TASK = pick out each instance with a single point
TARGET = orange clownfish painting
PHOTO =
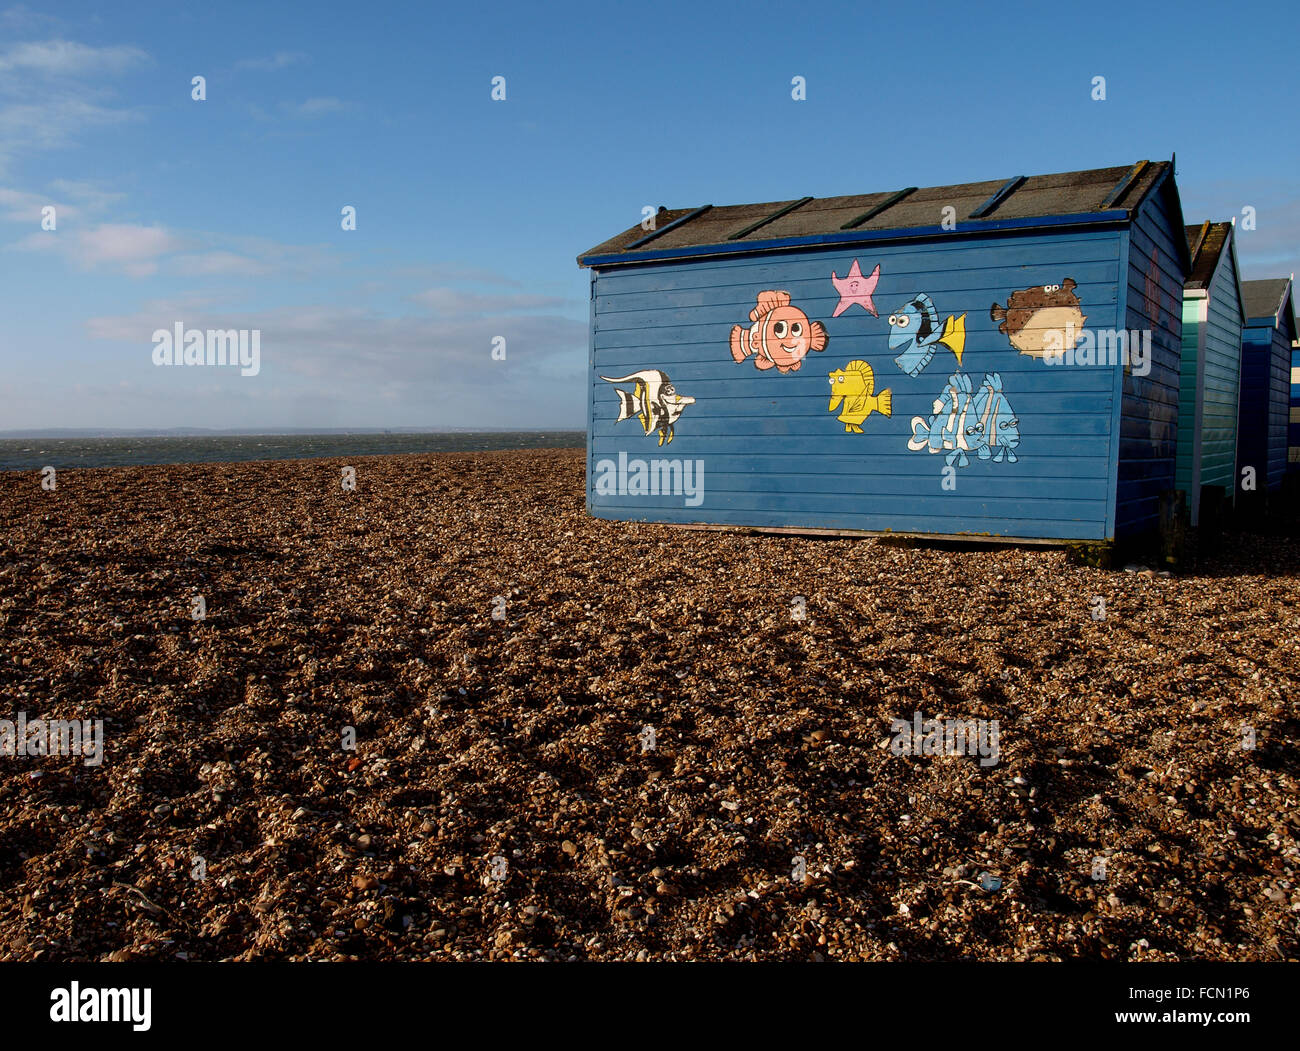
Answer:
(781, 335)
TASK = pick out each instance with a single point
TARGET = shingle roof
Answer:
(1206, 243)
(1096, 194)
(1264, 298)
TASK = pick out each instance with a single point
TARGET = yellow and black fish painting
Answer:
(653, 400)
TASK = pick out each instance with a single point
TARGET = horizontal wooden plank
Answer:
(901, 260)
(811, 289)
(869, 534)
(888, 473)
(700, 309)
(944, 524)
(722, 417)
(812, 398)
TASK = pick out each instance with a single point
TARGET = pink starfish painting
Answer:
(854, 288)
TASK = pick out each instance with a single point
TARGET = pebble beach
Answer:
(446, 715)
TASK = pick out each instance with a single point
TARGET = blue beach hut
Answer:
(982, 359)
(1267, 343)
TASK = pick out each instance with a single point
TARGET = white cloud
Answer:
(322, 364)
(270, 64)
(20, 206)
(141, 251)
(54, 121)
(1272, 249)
(456, 272)
(49, 94)
(316, 107)
(449, 302)
(86, 194)
(331, 348)
(337, 365)
(124, 243)
(21, 18)
(262, 255)
(62, 58)
(220, 264)
(135, 250)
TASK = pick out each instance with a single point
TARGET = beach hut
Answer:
(1293, 433)
(983, 359)
(1211, 366)
(1267, 345)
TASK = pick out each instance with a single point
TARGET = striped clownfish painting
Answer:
(780, 335)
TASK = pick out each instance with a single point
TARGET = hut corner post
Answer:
(1174, 523)
(1214, 511)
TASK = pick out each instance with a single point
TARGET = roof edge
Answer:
(1114, 217)
(1288, 291)
(1236, 271)
(1288, 305)
(1195, 289)
(1166, 183)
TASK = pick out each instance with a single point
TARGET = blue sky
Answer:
(225, 213)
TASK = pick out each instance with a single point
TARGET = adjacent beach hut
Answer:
(1266, 349)
(1293, 432)
(1213, 317)
(994, 358)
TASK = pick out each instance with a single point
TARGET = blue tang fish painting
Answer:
(996, 432)
(916, 334)
(945, 431)
(969, 421)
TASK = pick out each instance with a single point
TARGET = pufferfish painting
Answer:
(780, 335)
(854, 386)
(1041, 319)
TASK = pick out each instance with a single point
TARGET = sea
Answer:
(31, 454)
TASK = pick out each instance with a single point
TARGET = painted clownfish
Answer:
(781, 335)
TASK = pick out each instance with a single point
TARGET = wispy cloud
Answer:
(221, 263)
(1272, 249)
(17, 206)
(234, 256)
(63, 58)
(134, 250)
(453, 303)
(445, 272)
(332, 347)
(280, 60)
(46, 101)
(142, 251)
(424, 369)
(21, 18)
(54, 122)
(71, 200)
(316, 107)
(87, 195)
